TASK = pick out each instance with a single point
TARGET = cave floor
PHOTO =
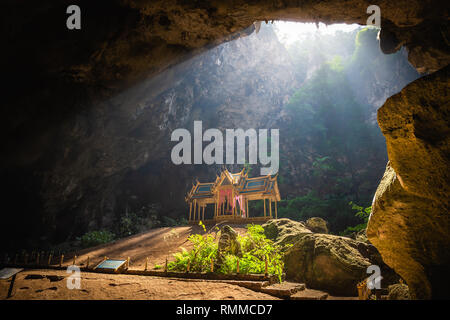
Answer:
(52, 285)
(156, 245)
(47, 284)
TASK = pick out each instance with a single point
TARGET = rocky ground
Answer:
(157, 245)
(34, 284)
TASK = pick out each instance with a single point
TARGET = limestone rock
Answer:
(327, 262)
(361, 236)
(284, 231)
(398, 291)
(410, 219)
(228, 244)
(317, 225)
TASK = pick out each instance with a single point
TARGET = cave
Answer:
(87, 111)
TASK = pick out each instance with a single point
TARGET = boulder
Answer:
(410, 219)
(284, 231)
(398, 291)
(317, 225)
(330, 263)
(228, 244)
(361, 236)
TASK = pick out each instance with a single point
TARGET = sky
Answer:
(288, 32)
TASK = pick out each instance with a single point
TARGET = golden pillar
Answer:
(270, 207)
(276, 213)
(190, 210)
(246, 204)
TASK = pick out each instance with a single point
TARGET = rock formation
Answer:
(327, 262)
(398, 291)
(284, 231)
(228, 244)
(330, 263)
(410, 221)
(317, 225)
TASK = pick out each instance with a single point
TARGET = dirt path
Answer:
(156, 244)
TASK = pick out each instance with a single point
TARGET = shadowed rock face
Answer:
(410, 221)
(55, 75)
(116, 156)
(321, 261)
(123, 41)
(327, 262)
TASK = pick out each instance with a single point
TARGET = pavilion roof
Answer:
(264, 185)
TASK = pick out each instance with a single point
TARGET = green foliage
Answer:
(336, 64)
(199, 258)
(361, 213)
(157, 267)
(339, 153)
(334, 209)
(369, 66)
(256, 248)
(95, 238)
(200, 223)
(140, 220)
(147, 217)
(312, 50)
(333, 150)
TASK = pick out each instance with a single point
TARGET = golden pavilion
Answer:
(230, 194)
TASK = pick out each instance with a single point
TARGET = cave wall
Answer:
(56, 76)
(410, 221)
(115, 158)
(66, 72)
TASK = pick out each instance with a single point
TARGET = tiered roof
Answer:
(264, 186)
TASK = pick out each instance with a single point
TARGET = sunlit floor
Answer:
(34, 284)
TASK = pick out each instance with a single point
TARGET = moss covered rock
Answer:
(317, 224)
(228, 244)
(327, 262)
(284, 231)
(398, 291)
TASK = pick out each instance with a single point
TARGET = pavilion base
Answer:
(234, 220)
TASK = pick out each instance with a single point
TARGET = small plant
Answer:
(95, 238)
(200, 223)
(157, 267)
(256, 249)
(361, 212)
(199, 258)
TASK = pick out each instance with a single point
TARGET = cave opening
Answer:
(89, 114)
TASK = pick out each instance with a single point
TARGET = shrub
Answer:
(136, 221)
(95, 238)
(256, 248)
